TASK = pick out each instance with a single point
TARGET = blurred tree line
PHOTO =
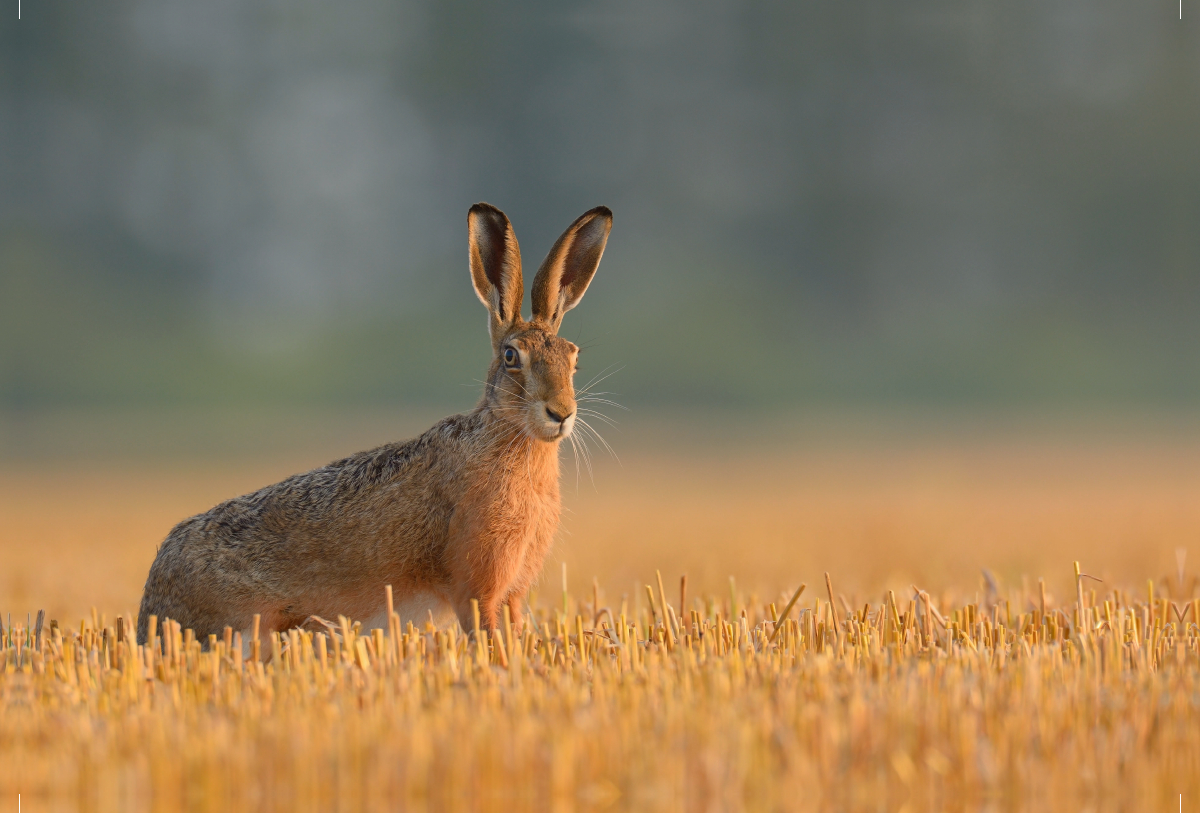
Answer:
(265, 201)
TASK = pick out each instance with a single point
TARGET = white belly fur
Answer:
(417, 608)
(414, 607)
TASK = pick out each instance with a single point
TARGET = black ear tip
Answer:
(592, 218)
(486, 210)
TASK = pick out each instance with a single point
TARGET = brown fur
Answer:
(467, 510)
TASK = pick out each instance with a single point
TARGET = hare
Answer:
(468, 510)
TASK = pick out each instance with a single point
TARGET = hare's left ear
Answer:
(495, 267)
(570, 266)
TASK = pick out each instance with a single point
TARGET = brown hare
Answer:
(467, 510)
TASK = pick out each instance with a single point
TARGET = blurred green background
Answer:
(260, 205)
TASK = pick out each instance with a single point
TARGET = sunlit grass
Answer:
(668, 702)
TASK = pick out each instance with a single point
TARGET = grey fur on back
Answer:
(284, 541)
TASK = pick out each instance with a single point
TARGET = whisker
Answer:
(591, 399)
(600, 376)
(587, 458)
(599, 416)
(587, 426)
(575, 454)
(519, 396)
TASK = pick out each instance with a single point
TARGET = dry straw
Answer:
(1011, 703)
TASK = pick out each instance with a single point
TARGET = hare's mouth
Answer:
(554, 430)
(551, 432)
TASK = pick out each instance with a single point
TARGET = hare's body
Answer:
(429, 516)
(468, 510)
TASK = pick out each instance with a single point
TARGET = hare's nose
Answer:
(554, 416)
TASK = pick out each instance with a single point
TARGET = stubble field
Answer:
(925, 684)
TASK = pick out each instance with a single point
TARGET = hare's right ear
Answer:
(495, 266)
(569, 267)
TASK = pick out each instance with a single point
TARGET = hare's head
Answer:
(529, 382)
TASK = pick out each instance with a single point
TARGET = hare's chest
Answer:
(509, 514)
(521, 516)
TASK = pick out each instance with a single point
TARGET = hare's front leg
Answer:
(482, 569)
(516, 605)
(484, 590)
(531, 562)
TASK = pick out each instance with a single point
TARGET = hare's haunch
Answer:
(467, 510)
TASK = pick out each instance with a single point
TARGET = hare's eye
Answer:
(512, 358)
